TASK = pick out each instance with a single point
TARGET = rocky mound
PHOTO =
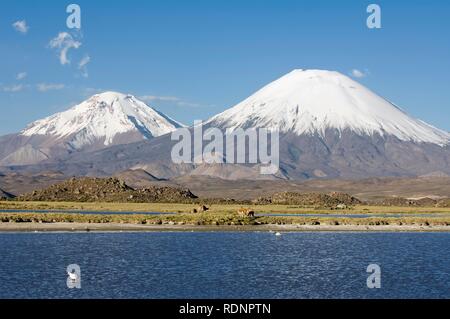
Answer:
(405, 202)
(107, 190)
(309, 199)
(443, 203)
(5, 195)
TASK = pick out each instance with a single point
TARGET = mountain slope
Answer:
(313, 101)
(103, 120)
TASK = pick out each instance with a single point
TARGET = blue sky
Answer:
(193, 59)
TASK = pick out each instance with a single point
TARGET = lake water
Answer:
(225, 265)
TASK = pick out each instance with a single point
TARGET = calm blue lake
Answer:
(224, 265)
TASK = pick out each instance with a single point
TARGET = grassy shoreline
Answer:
(39, 220)
(214, 208)
(219, 217)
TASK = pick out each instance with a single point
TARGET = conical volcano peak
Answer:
(302, 75)
(103, 116)
(302, 83)
(314, 101)
(110, 98)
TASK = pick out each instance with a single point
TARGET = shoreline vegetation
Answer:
(221, 217)
(109, 204)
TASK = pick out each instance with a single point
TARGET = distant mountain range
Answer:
(330, 127)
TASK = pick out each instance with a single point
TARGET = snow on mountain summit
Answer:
(312, 101)
(103, 116)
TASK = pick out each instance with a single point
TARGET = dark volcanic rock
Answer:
(5, 195)
(107, 190)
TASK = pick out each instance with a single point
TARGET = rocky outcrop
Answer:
(310, 199)
(107, 190)
(407, 202)
(443, 203)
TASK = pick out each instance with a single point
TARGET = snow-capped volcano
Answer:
(103, 117)
(103, 120)
(330, 125)
(313, 101)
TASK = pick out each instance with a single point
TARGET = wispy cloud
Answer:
(82, 66)
(45, 87)
(176, 100)
(63, 42)
(14, 88)
(359, 74)
(22, 75)
(21, 26)
(152, 98)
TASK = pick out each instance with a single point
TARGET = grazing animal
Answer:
(199, 209)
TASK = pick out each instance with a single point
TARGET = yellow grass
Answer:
(218, 208)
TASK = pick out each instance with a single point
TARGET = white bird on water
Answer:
(73, 276)
(277, 234)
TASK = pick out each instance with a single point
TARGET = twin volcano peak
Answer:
(314, 101)
(303, 104)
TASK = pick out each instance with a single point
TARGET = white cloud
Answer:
(21, 76)
(359, 74)
(151, 98)
(44, 87)
(82, 66)
(84, 61)
(176, 100)
(13, 88)
(21, 26)
(63, 43)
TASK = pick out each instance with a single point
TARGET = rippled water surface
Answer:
(224, 265)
